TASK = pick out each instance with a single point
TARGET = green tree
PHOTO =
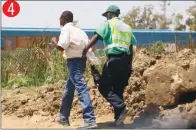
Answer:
(144, 18)
(132, 17)
(191, 21)
(164, 20)
(178, 23)
(141, 18)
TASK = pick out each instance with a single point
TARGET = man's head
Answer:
(66, 17)
(112, 11)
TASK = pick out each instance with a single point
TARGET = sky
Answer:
(45, 14)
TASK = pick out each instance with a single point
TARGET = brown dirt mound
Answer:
(46, 101)
(142, 99)
(171, 77)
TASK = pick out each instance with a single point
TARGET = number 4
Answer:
(11, 8)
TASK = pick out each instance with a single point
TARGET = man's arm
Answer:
(92, 42)
(54, 43)
(133, 43)
(100, 33)
(131, 48)
(131, 56)
(64, 41)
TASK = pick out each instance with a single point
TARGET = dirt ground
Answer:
(45, 122)
(38, 107)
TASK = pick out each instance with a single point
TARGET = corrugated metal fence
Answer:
(18, 37)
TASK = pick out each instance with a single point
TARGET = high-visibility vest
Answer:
(121, 34)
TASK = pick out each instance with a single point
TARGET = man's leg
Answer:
(122, 78)
(118, 90)
(66, 103)
(78, 80)
(106, 88)
(111, 82)
(120, 84)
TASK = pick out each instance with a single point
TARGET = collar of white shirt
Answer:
(70, 23)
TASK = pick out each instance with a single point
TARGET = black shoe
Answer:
(122, 116)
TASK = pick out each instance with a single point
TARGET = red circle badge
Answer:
(11, 8)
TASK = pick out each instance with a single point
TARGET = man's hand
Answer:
(91, 43)
(54, 40)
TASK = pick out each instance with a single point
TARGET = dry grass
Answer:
(38, 63)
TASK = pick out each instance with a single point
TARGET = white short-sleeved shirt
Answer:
(73, 40)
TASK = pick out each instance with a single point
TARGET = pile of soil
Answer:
(46, 100)
(154, 94)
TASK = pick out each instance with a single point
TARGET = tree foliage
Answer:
(191, 21)
(178, 23)
(145, 18)
(165, 21)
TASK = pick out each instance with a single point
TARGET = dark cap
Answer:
(113, 9)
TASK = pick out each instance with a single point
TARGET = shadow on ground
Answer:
(109, 125)
(144, 121)
(150, 121)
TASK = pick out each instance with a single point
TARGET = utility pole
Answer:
(164, 9)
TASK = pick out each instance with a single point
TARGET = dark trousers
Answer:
(114, 79)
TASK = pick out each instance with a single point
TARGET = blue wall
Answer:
(144, 37)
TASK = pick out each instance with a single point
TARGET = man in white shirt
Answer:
(71, 44)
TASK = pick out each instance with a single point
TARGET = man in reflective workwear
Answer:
(118, 41)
